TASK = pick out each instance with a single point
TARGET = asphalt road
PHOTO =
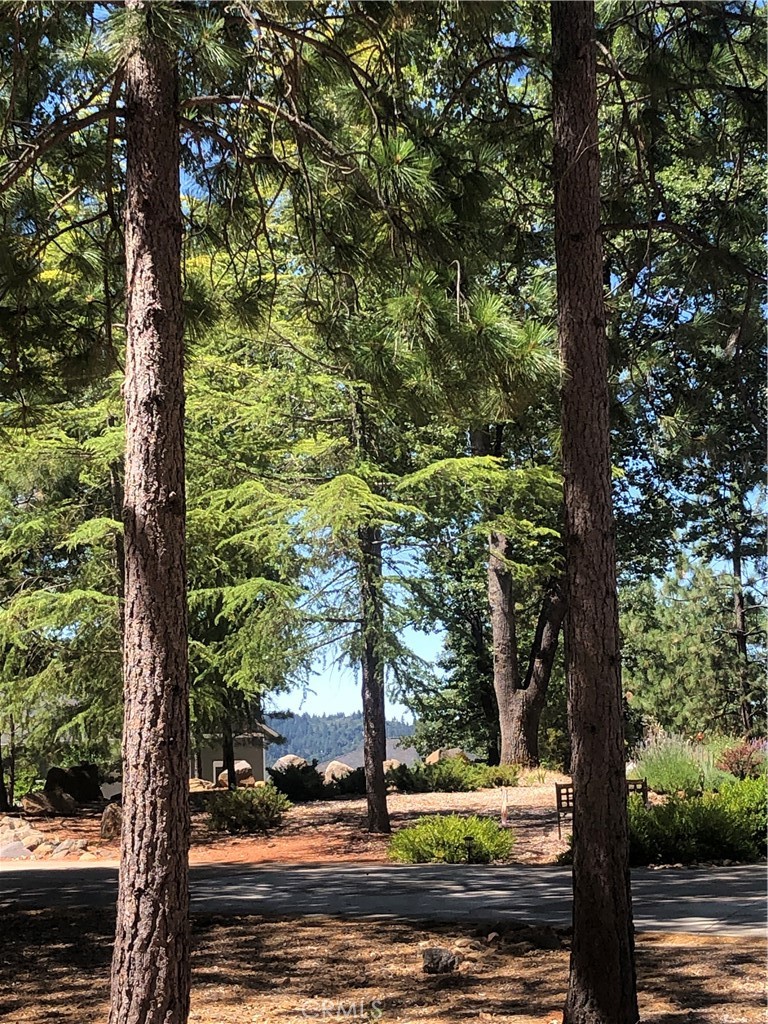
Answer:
(728, 901)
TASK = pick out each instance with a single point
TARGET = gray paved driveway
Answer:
(725, 900)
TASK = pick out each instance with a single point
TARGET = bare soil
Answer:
(55, 967)
(334, 831)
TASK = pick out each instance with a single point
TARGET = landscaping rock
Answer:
(336, 770)
(243, 771)
(81, 782)
(445, 754)
(45, 850)
(438, 960)
(51, 804)
(14, 851)
(391, 764)
(200, 785)
(289, 761)
(111, 821)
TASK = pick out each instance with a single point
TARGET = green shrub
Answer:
(687, 830)
(748, 800)
(348, 785)
(673, 765)
(454, 775)
(300, 783)
(247, 810)
(451, 839)
(745, 760)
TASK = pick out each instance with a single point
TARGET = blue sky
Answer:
(337, 688)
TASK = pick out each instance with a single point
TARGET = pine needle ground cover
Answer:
(54, 966)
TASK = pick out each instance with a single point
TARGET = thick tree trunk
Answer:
(506, 680)
(12, 761)
(4, 801)
(487, 696)
(528, 702)
(602, 985)
(740, 623)
(374, 710)
(150, 967)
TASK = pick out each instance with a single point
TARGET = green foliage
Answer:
(451, 839)
(247, 810)
(349, 785)
(745, 760)
(748, 800)
(300, 783)
(710, 827)
(672, 765)
(453, 775)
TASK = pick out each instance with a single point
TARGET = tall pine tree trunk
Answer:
(374, 710)
(740, 624)
(503, 630)
(228, 750)
(602, 985)
(150, 967)
(4, 801)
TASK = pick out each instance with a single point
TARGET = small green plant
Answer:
(247, 810)
(300, 783)
(451, 839)
(745, 760)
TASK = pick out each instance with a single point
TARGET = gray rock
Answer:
(111, 821)
(438, 960)
(14, 851)
(243, 773)
(289, 761)
(336, 770)
(54, 803)
(445, 754)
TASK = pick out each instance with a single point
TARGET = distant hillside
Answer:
(355, 758)
(323, 737)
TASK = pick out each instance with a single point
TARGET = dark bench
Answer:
(564, 797)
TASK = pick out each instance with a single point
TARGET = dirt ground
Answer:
(55, 967)
(334, 831)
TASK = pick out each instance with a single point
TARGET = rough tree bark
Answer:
(4, 801)
(602, 984)
(150, 967)
(228, 750)
(374, 710)
(740, 624)
(519, 704)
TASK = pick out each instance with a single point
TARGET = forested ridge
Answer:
(322, 737)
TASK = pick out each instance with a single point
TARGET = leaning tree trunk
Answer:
(529, 701)
(374, 710)
(150, 966)
(602, 985)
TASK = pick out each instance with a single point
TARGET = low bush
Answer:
(745, 760)
(686, 830)
(454, 775)
(300, 783)
(247, 810)
(748, 800)
(352, 784)
(451, 839)
(674, 765)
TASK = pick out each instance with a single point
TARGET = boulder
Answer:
(445, 754)
(50, 804)
(289, 761)
(243, 771)
(111, 821)
(14, 851)
(81, 782)
(392, 764)
(438, 960)
(336, 770)
(200, 785)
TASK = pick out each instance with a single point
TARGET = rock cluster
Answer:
(21, 841)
